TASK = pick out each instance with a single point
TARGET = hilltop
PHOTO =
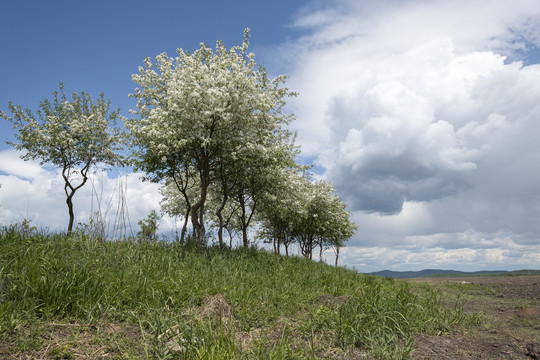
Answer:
(80, 298)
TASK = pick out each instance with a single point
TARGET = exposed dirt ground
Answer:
(510, 309)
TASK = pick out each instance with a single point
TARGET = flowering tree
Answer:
(256, 178)
(70, 133)
(204, 111)
(281, 208)
(332, 220)
(323, 220)
(306, 213)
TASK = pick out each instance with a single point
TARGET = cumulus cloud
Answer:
(11, 163)
(426, 121)
(404, 141)
(355, 42)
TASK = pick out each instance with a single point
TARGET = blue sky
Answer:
(97, 45)
(423, 114)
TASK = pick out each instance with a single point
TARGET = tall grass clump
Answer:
(383, 316)
(211, 303)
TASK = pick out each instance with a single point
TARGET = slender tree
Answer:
(149, 227)
(281, 209)
(177, 193)
(73, 134)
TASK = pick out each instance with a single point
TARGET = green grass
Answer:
(272, 307)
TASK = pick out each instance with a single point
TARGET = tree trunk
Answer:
(220, 218)
(246, 220)
(184, 226)
(182, 186)
(245, 240)
(337, 254)
(220, 230)
(197, 231)
(69, 203)
(278, 237)
(197, 210)
(230, 238)
(202, 241)
(66, 170)
(306, 246)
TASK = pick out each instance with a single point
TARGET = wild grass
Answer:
(266, 306)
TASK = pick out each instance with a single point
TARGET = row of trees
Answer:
(210, 127)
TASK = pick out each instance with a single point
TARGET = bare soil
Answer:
(510, 313)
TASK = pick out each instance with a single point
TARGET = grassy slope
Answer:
(164, 298)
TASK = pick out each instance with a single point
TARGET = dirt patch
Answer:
(333, 301)
(216, 306)
(76, 341)
(510, 311)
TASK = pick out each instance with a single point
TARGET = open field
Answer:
(510, 326)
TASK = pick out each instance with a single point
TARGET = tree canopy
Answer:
(307, 213)
(202, 116)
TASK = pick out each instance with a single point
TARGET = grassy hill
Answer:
(67, 298)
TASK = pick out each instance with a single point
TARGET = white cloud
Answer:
(11, 163)
(399, 138)
(427, 124)
(369, 259)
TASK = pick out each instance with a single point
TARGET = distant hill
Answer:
(449, 273)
